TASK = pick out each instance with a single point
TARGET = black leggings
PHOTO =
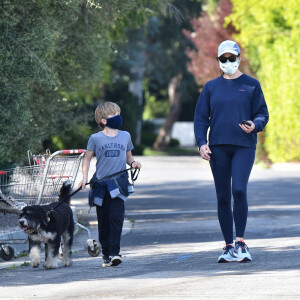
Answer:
(110, 223)
(229, 162)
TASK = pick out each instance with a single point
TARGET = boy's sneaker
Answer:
(115, 260)
(228, 255)
(242, 252)
(106, 261)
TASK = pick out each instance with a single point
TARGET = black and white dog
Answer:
(47, 224)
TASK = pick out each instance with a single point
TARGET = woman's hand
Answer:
(247, 128)
(204, 152)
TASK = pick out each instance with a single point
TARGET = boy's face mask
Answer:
(114, 122)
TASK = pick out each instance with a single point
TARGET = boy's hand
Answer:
(82, 183)
(136, 165)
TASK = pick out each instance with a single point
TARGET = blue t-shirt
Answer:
(223, 104)
(110, 152)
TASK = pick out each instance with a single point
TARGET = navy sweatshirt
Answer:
(223, 104)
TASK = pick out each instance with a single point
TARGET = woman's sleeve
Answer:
(259, 114)
(201, 118)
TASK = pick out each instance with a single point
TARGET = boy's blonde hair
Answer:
(105, 109)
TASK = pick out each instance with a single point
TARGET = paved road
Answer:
(173, 239)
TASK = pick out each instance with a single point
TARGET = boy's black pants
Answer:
(110, 223)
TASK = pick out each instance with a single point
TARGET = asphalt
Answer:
(171, 241)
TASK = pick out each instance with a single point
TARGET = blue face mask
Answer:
(114, 122)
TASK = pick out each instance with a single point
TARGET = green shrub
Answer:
(174, 143)
(270, 35)
(155, 108)
(138, 149)
(148, 138)
(148, 126)
(118, 92)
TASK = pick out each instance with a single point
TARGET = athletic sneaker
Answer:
(228, 255)
(242, 252)
(106, 261)
(115, 260)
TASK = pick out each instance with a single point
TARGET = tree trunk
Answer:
(175, 99)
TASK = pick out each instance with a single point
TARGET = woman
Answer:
(234, 108)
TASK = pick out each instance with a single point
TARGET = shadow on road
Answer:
(176, 233)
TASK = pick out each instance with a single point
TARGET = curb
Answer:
(16, 235)
(286, 166)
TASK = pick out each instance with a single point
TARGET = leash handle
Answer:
(134, 174)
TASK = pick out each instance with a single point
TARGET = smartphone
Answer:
(244, 122)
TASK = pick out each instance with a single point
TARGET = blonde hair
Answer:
(105, 109)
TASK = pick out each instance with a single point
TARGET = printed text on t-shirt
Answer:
(112, 146)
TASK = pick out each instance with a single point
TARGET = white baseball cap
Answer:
(228, 47)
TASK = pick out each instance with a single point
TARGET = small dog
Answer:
(44, 225)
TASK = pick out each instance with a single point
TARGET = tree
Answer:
(168, 63)
(270, 32)
(208, 32)
(52, 51)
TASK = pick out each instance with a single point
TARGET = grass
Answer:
(131, 221)
(172, 151)
(12, 267)
(262, 164)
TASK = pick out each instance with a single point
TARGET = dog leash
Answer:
(133, 174)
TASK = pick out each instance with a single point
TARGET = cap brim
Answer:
(227, 51)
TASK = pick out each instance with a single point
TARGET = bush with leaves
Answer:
(270, 32)
(51, 51)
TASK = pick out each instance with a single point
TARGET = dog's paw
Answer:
(66, 264)
(35, 256)
(50, 266)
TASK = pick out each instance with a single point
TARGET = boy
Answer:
(113, 150)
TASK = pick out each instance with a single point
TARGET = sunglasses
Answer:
(231, 58)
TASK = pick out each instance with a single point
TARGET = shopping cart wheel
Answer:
(7, 252)
(93, 248)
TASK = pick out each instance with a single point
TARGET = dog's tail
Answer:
(65, 192)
